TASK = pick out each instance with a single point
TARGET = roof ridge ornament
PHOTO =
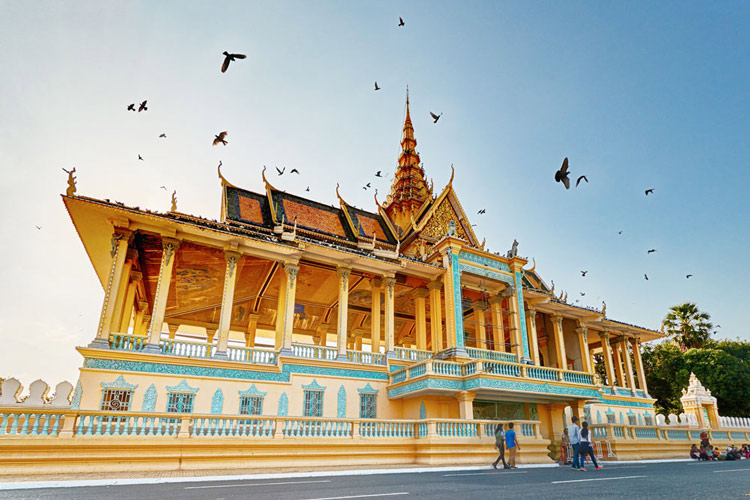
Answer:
(341, 200)
(71, 191)
(265, 181)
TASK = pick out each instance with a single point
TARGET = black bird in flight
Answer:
(645, 276)
(163, 136)
(229, 58)
(308, 188)
(583, 274)
(435, 117)
(163, 187)
(219, 139)
(649, 191)
(367, 185)
(583, 294)
(400, 21)
(281, 172)
(140, 157)
(142, 107)
(294, 171)
(562, 174)
(579, 180)
(619, 232)
(652, 250)
(377, 174)
(688, 276)
(482, 211)
(376, 86)
(131, 107)
(38, 227)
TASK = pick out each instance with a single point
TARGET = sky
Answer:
(637, 95)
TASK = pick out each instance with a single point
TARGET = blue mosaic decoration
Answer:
(640, 419)
(217, 402)
(480, 271)
(202, 371)
(368, 389)
(598, 417)
(182, 387)
(313, 386)
(632, 404)
(622, 419)
(609, 411)
(252, 391)
(341, 403)
(485, 261)
(118, 383)
(149, 399)
(479, 383)
(456, 275)
(283, 405)
(77, 393)
(522, 315)
(422, 411)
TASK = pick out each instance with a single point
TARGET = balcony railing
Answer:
(252, 355)
(412, 354)
(366, 358)
(314, 351)
(491, 355)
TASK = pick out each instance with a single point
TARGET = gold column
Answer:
(140, 322)
(481, 333)
(450, 307)
(496, 304)
(122, 290)
(618, 362)
(531, 328)
(375, 285)
(420, 294)
(628, 364)
(135, 278)
(280, 311)
(172, 327)
(290, 292)
(636, 345)
(358, 340)
(515, 321)
(583, 345)
(389, 283)
(607, 353)
(252, 328)
(227, 302)
(169, 255)
(323, 331)
(342, 329)
(562, 357)
(120, 241)
(436, 315)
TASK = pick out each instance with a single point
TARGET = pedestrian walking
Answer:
(585, 447)
(500, 445)
(574, 434)
(511, 441)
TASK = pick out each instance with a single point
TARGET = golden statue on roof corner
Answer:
(71, 191)
(604, 309)
(174, 201)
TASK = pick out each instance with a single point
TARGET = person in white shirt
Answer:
(574, 433)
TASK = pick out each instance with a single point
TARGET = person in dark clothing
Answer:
(500, 445)
(585, 446)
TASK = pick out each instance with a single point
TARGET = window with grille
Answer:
(367, 405)
(116, 399)
(632, 420)
(648, 420)
(610, 418)
(180, 402)
(313, 403)
(251, 405)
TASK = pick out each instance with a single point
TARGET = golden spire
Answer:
(409, 190)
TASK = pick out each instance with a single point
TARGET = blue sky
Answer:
(637, 94)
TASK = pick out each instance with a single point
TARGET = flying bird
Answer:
(140, 157)
(435, 117)
(163, 136)
(645, 276)
(649, 191)
(579, 180)
(583, 274)
(229, 58)
(131, 107)
(367, 185)
(281, 172)
(38, 227)
(400, 21)
(562, 174)
(689, 276)
(377, 174)
(294, 171)
(219, 139)
(482, 211)
(308, 188)
(376, 86)
(583, 294)
(619, 232)
(163, 187)
(142, 107)
(652, 250)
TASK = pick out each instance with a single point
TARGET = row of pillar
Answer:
(615, 352)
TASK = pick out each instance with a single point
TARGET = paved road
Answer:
(683, 480)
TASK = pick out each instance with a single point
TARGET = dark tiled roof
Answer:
(312, 216)
(247, 207)
(367, 223)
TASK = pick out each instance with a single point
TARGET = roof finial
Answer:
(265, 181)
(341, 200)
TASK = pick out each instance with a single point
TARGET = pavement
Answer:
(617, 480)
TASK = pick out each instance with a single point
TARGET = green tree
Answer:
(666, 376)
(687, 326)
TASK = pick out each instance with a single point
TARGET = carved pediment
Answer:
(438, 224)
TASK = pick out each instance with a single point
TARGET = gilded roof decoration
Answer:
(439, 223)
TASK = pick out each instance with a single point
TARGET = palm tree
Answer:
(687, 326)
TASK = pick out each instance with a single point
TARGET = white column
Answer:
(169, 253)
(628, 364)
(343, 318)
(583, 344)
(290, 292)
(389, 283)
(481, 331)
(376, 285)
(531, 327)
(420, 294)
(607, 353)
(562, 356)
(496, 304)
(120, 241)
(227, 302)
(636, 345)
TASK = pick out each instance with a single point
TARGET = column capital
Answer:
(557, 319)
(420, 293)
(135, 276)
(376, 283)
(435, 285)
(634, 341)
(291, 269)
(508, 291)
(142, 305)
(343, 272)
(604, 335)
(465, 396)
(389, 282)
(531, 312)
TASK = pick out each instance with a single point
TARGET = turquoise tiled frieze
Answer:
(283, 405)
(633, 404)
(341, 403)
(202, 371)
(485, 261)
(118, 383)
(77, 393)
(479, 271)
(485, 383)
(457, 301)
